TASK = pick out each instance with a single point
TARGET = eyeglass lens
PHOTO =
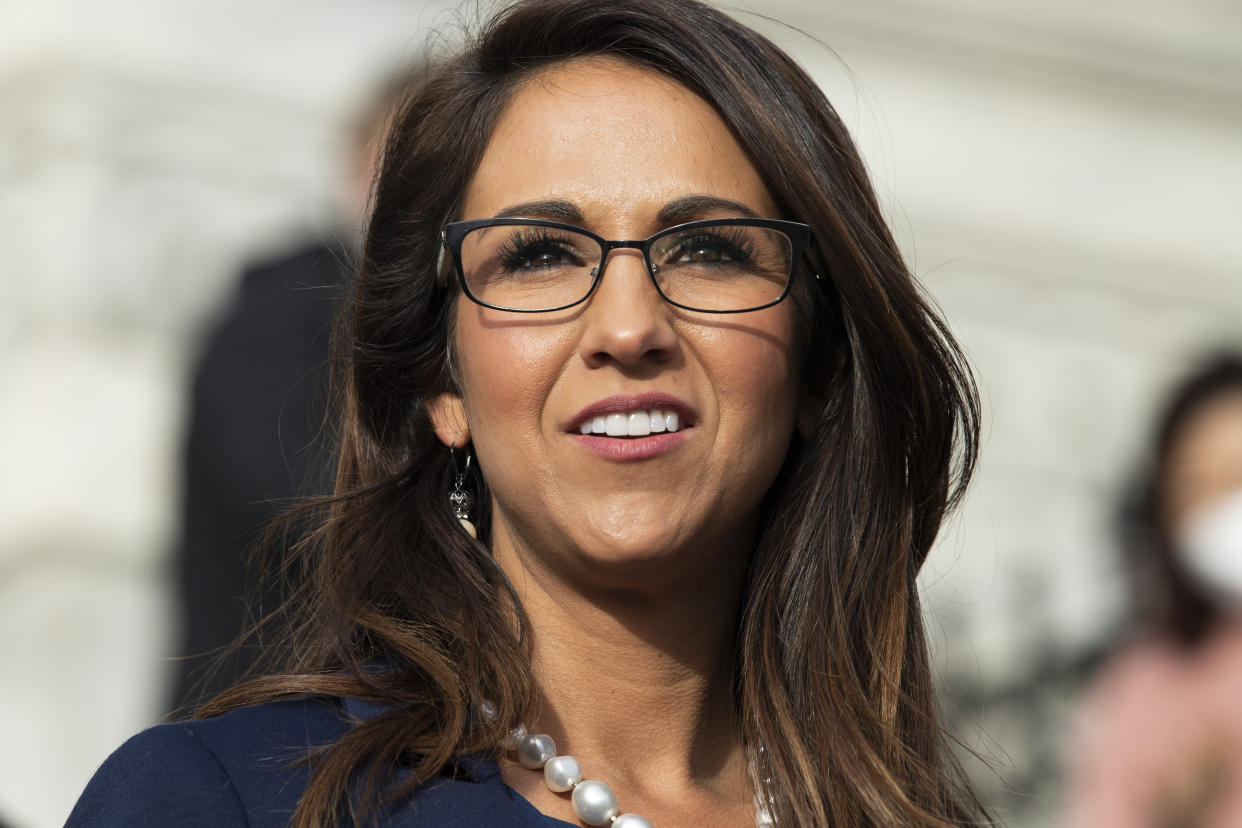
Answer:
(716, 268)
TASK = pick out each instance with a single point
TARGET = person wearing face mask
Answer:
(1159, 738)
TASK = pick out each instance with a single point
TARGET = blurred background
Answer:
(1064, 176)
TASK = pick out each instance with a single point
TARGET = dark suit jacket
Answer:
(247, 768)
(254, 439)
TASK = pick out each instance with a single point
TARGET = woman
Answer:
(1160, 735)
(703, 468)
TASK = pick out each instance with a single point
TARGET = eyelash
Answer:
(518, 248)
(736, 244)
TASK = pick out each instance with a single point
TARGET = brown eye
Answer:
(538, 251)
(704, 254)
(706, 248)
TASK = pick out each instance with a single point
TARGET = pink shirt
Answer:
(1158, 740)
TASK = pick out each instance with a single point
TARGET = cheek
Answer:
(758, 392)
(507, 372)
(756, 369)
(757, 387)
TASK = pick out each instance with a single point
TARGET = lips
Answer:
(633, 415)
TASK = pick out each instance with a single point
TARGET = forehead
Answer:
(1205, 458)
(617, 140)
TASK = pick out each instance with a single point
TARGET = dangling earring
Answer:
(460, 500)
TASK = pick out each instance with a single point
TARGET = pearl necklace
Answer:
(592, 799)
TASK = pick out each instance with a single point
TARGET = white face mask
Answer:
(1209, 548)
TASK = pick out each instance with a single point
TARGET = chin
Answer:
(647, 560)
(635, 533)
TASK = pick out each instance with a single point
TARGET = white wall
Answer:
(1064, 175)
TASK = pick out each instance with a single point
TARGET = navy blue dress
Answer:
(243, 769)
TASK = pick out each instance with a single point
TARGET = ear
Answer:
(448, 418)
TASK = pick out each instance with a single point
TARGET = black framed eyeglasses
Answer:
(527, 265)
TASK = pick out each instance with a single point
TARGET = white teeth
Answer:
(657, 421)
(633, 424)
(618, 425)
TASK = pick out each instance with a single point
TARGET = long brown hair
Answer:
(831, 671)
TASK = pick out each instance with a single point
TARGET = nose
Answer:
(626, 322)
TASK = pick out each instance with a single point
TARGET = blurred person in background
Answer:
(256, 423)
(1159, 737)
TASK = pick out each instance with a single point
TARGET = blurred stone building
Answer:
(1064, 176)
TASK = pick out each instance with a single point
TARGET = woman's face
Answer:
(609, 147)
(1203, 499)
(1204, 463)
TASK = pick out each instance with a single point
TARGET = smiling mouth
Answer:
(630, 424)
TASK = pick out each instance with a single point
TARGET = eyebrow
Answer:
(677, 211)
(691, 207)
(554, 209)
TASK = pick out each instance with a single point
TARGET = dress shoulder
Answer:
(247, 767)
